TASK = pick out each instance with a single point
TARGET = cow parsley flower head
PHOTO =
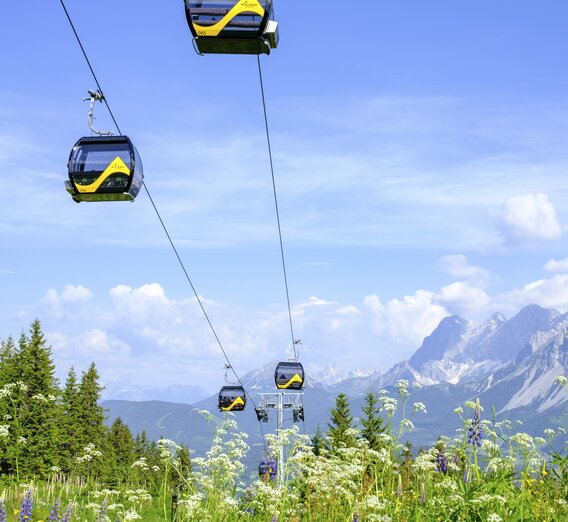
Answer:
(419, 407)
(402, 387)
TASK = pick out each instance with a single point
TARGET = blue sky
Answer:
(420, 155)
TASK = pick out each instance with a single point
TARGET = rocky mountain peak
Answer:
(449, 336)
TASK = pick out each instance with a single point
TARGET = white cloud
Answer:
(76, 294)
(557, 266)
(458, 267)
(463, 299)
(528, 219)
(97, 342)
(408, 320)
(68, 303)
(142, 335)
(548, 293)
(349, 309)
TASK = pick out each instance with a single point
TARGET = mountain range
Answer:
(510, 365)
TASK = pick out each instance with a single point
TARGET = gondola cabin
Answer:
(232, 398)
(267, 469)
(104, 168)
(232, 26)
(289, 376)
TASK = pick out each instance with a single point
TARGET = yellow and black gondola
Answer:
(232, 26)
(289, 376)
(232, 398)
(104, 168)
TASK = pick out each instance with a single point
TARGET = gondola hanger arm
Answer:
(95, 96)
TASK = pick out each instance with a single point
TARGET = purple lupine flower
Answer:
(102, 511)
(67, 515)
(475, 433)
(54, 513)
(355, 518)
(27, 506)
(2, 512)
(441, 463)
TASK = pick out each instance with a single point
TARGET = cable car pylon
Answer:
(280, 402)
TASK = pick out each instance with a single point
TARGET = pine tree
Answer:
(340, 429)
(39, 424)
(373, 425)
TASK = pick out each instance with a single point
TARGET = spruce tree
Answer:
(70, 422)
(39, 423)
(318, 442)
(8, 362)
(91, 429)
(340, 429)
(373, 425)
(141, 445)
(118, 454)
(180, 474)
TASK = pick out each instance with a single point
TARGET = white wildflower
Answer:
(524, 440)
(132, 515)
(140, 463)
(402, 387)
(419, 407)
(373, 502)
(389, 406)
(406, 425)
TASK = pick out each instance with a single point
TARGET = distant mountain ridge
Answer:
(179, 393)
(531, 344)
(510, 365)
